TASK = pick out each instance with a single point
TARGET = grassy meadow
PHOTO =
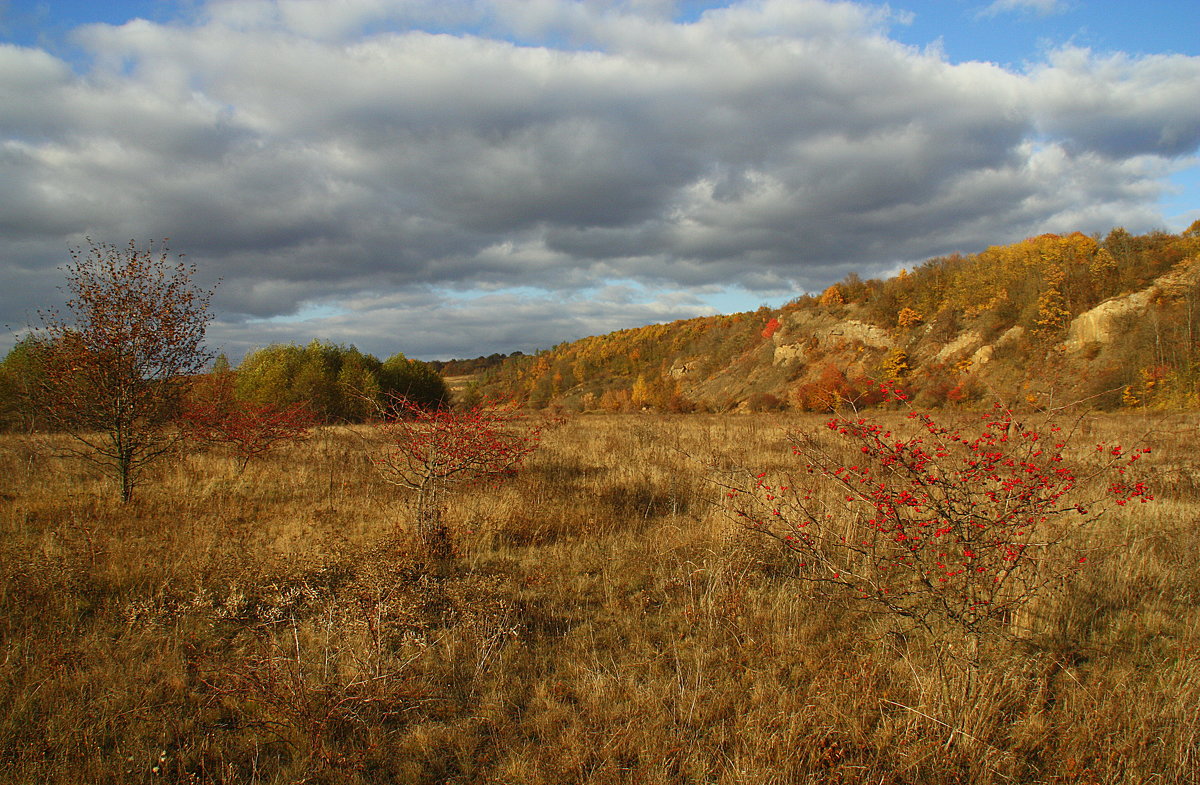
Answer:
(601, 622)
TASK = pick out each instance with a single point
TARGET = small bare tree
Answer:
(430, 450)
(116, 360)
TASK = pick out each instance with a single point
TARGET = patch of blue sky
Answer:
(688, 11)
(741, 300)
(48, 22)
(963, 29)
(1020, 34)
(1180, 204)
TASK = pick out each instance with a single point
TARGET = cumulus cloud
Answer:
(310, 152)
(1102, 104)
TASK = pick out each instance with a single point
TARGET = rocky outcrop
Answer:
(1102, 324)
(964, 343)
(983, 355)
(822, 332)
(681, 370)
(860, 332)
(789, 353)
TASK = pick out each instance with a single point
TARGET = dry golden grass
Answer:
(602, 623)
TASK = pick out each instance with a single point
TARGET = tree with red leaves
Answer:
(429, 450)
(213, 414)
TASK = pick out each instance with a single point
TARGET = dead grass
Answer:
(600, 624)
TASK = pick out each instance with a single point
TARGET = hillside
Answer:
(1110, 320)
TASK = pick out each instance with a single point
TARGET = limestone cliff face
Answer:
(1101, 325)
(808, 333)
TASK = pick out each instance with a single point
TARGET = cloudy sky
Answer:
(461, 177)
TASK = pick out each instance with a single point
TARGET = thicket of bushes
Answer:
(339, 383)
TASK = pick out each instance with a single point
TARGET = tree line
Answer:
(333, 382)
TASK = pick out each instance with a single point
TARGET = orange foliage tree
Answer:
(832, 296)
(115, 362)
(833, 389)
(908, 317)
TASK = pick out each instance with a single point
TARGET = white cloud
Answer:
(1040, 7)
(1119, 105)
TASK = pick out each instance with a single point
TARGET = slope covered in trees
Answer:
(1108, 319)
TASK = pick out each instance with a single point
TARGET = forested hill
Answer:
(1115, 321)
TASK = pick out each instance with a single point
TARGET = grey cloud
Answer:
(766, 145)
(433, 325)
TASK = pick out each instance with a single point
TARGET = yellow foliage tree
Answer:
(895, 365)
(832, 296)
(641, 393)
(1052, 314)
(908, 317)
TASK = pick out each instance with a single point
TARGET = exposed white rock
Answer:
(867, 334)
(786, 353)
(960, 345)
(824, 333)
(983, 355)
(1101, 324)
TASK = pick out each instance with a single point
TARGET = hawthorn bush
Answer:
(248, 430)
(954, 529)
(430, 450)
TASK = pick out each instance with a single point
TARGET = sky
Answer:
(453, 178)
